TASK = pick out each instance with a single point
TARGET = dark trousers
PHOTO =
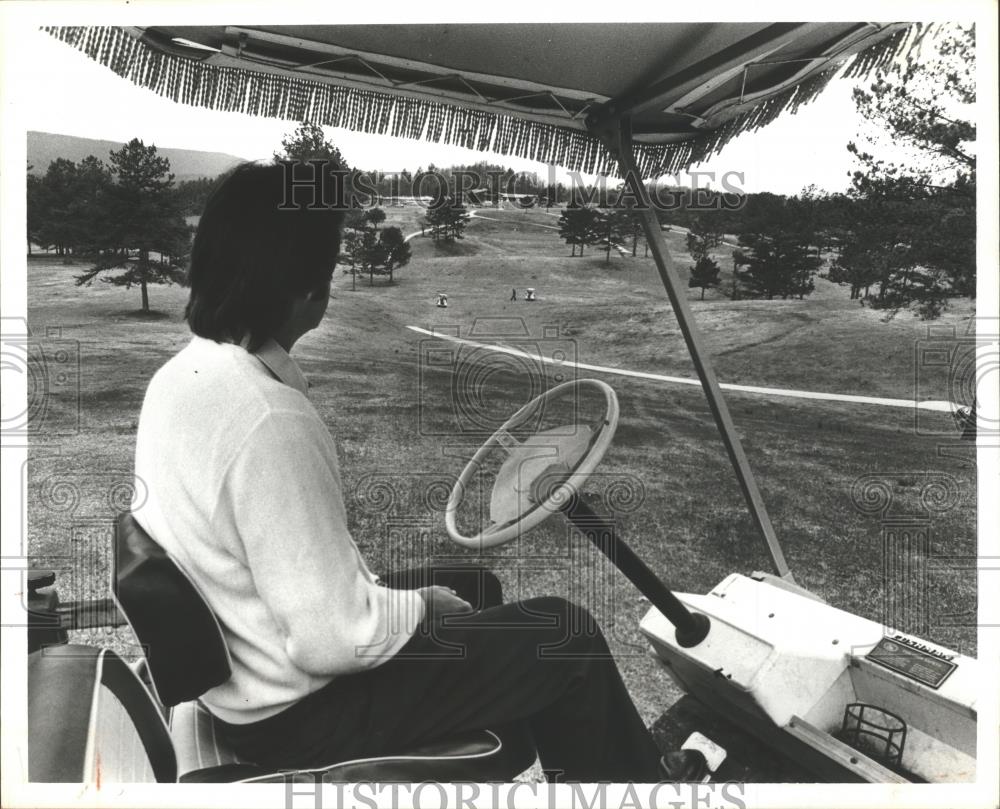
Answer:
(543, 660)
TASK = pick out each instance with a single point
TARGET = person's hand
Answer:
(442, 601)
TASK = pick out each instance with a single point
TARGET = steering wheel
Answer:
(565, 458)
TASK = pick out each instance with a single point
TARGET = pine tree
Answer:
(309, 142)
(143, 234)
(578, 225)
(369, 250)
(924, 204)
(777, 264)
(704, 274)
(446, 219)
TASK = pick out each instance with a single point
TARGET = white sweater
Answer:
(237, 478)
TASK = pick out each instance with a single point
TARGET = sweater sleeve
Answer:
(284, 491)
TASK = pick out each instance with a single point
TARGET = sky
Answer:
(59, 96)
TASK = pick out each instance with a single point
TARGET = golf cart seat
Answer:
(92, 719)
(96, 718)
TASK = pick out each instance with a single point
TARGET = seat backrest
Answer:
(183, 642)
(91, 720)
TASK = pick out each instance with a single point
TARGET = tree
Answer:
(925, 102)
(369, 252)
(913, 247)
(48, 211)
(925, 201)
(191, 195)
(740, 260)
(578, 225)
(405, 181)
(605, 231)
(876, 252)
(376, 252)
(376, 216)
(142, 219)
(896, 254)
(34, 207)
(775, 247)
(88, 207)
(702, 236)
(67, 206)
(630, 226)
(446, 219)
(776, 264)
(309, 142)
(350, 249)
(824, 218)
(611, 227)
(859, 267)
(704, 274)
(396, 248)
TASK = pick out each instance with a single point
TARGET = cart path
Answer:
(476, 215)
(935, 405)
(473, 214)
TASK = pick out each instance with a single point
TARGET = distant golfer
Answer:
(513, 294)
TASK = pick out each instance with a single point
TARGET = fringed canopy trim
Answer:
(293, 98)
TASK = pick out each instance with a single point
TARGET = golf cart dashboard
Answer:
(803, 674)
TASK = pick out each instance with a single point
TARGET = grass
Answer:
(399, 428)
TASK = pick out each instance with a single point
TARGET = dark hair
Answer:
(250, 257)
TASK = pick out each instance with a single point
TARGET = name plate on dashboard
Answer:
(913, 660)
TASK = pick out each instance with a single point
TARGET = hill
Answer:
(186, 164)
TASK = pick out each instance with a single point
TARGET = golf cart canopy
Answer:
(537, 91)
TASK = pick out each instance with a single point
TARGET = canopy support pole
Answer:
(617, 136)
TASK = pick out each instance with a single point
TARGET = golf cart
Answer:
(833, 691)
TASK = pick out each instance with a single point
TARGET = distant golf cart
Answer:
(839, 695)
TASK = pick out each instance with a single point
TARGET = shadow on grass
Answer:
(138, 314)
(457, 248)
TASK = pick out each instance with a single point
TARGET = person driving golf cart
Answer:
(244, 492)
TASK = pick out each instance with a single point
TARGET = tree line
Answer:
(889, 247)
(769, 262)
(127, 217)
(123, 216)
(607, 228)
(904, 234)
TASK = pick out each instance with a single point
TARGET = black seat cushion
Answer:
(184, 645)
